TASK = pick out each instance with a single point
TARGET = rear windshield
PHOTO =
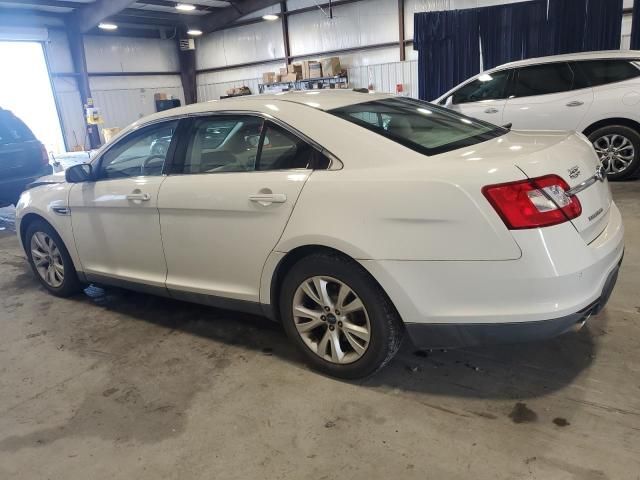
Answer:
(420, 126)
(12, 130)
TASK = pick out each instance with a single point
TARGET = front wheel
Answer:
(339, 317)
(50, 260)
(618, 148)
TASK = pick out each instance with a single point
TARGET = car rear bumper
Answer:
(427, 335)
(11, 188)
(558, 282)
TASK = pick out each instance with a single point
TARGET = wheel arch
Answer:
(295, 255)
(27, 220)
(607, 122)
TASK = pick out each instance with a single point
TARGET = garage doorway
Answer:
(25, 89)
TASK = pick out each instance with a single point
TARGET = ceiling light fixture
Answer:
(194, 32)
(185, 7)
(270, 17)
(108, 26)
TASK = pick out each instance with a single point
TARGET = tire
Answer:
(616, 144)
(363, 353)
(53, 254)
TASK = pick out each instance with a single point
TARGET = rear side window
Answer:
(602, 72)
(12, 129)
(487, 87)
(420, 126)
(543, 79)
(282, 150)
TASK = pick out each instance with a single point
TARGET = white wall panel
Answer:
(58, 54)
(298, 4)
(237, 45)
(384, 77)
(353, 25)
(70, 110)
(128, 54)
(125, 99)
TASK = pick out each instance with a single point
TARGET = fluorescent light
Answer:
(194, 32)
(108, 26)
(185, 7)
(270, 17)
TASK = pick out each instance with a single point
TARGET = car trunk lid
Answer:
(575, 161)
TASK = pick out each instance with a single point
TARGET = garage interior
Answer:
(118, 384)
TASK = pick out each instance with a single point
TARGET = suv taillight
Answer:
(45, 155)
(534, 203)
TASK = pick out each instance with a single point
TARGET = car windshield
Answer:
(421, 126)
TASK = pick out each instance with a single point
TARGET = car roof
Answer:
(319, 99)
(605, 54)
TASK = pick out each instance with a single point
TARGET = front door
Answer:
(225, 205)
(115, 218)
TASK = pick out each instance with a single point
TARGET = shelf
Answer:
(304, 84)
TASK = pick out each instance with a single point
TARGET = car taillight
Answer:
(45, 155)
(534, 203)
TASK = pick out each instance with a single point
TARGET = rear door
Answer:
(549, 96)
(226, 203)
(483, 98)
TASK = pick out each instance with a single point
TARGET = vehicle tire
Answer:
(50, 260)
(618, 148)
(339, 317)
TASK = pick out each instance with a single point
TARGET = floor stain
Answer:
(561, 422)
(522, 414)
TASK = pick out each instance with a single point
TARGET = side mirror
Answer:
(79, 173)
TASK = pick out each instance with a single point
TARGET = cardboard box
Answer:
(311, 69)
(315, 70)
(160, 96)
(283, 71)
(290, 77)
(331, 66)
(295, 68)
(269, 77)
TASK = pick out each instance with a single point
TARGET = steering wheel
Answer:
(145, 167)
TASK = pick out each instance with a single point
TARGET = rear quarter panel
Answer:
(617, 100)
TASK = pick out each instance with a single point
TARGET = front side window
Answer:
(543, 79)
(602, 72)
(486, 87)
(12, 129)
(141, 153)
(421, 126)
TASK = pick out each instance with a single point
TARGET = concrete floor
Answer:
(115, 384)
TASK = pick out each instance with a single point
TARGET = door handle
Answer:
(575, 103)
(140, 197)
(268, 198)
(491, 110)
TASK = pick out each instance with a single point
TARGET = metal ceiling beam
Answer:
(45, 3)
(172, 4)
(91, 14)
(141, 20)
(225, 16)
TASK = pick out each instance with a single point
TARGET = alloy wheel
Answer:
(616, 152)
(331, 319)
(47, 259)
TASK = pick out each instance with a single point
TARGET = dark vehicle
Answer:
(23, 158)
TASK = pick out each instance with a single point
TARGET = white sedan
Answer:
(349, 217)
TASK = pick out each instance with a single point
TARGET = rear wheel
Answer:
(618, 148)
(50, 260)
(339, 317)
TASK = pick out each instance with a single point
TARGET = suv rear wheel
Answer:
(618, 148)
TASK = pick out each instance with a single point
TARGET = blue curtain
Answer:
(584, 25)
(635, 27)
(513, 32)
(449, 49)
